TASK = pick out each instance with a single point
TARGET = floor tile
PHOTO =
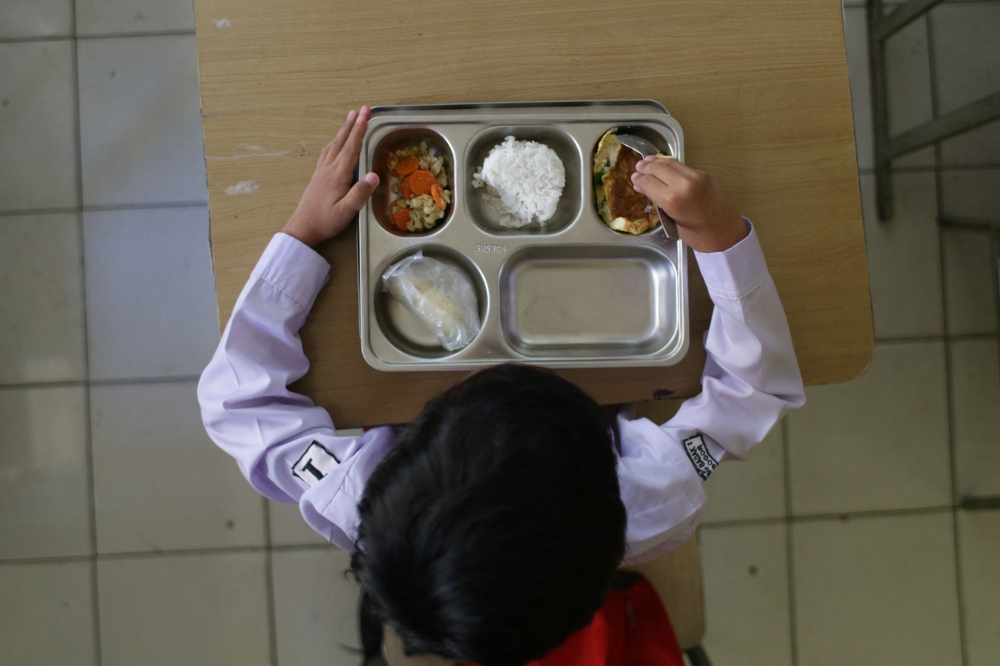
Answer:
(755, 488)
(970, 282)
(876, 590)
(38, 142)
(975, 385)
(36, 18)
(185, 609)
(745, 585)
(971, 194)
(908, 76)
(112, 17)
(966, 57)
(159, 481)
(979, 543)
(980, 146)
(41, 299)
(315, 608)
(140, 117)
(879, 442)
(289, 528)
(908, 87)
(967, 67)
(46, 614)
(904, 258)
(44, 495)
(856, 40)
(151, 309)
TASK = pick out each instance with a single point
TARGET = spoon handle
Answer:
(668, 224)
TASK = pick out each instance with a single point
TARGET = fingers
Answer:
(357, 195)
(332, 149)
(655, 189)
(348, 155)
(682, 169)
(663, 168)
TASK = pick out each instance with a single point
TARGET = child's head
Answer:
(491, 530)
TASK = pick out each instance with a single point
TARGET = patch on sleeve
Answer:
(315, 464)
(698, 453)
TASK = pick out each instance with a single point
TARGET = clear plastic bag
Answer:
(439, 294)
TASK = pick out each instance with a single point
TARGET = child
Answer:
(489, 528)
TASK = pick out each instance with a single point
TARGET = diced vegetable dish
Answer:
(419, 185)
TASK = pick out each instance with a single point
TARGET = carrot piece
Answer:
(404, 187)
(436, 193)
(401, 217)
(421, 181)
(408, 165)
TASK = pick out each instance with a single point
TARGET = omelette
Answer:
(618, 204)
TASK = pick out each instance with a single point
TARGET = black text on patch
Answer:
(702, 460)
(314, 464)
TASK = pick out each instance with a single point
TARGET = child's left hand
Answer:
(329, 202)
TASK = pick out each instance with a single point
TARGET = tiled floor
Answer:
(127, 538)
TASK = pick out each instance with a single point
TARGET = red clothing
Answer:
(631, 629)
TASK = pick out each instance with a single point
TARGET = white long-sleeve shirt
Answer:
(290, 451)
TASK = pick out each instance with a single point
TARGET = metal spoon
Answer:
(645, 149)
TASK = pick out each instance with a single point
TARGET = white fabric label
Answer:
(315, 464)
(698, 453)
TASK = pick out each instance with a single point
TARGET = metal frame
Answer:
(887, 148)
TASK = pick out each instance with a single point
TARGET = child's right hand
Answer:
(330, 202)
(707, 219)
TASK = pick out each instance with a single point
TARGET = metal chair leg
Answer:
(697, 656)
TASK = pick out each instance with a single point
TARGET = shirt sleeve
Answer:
(751, 379)
(286, 447)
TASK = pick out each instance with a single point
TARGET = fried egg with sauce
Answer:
(618, 204)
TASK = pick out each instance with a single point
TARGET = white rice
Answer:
(523, 179)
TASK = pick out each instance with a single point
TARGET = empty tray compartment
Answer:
(588, 301)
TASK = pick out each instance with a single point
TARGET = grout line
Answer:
(106, 35)
(55, 384)
(950, 400)
(58, 559)
(959, 594)
(272, 624)
(793, 628)
(137, 33)
(744, 522)
(104, 208)
(303, 547)
(137, 381)
(870, 513)
(131, 381)
(64, 559)
(959, 337)
(39, 38)
(186, 552)
(88, 435)
(145, 206)
(816, 517)
(934, 169)
(949, 393)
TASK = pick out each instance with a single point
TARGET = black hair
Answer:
(491, 530)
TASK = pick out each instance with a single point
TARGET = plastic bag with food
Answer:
(441, 295)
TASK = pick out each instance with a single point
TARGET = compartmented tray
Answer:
(571, 293)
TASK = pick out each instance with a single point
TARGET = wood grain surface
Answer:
(760, 89)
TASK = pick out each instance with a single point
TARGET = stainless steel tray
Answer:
(572, 294)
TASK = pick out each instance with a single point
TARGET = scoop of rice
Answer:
(524, 181)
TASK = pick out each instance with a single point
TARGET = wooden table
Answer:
(760, 88)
